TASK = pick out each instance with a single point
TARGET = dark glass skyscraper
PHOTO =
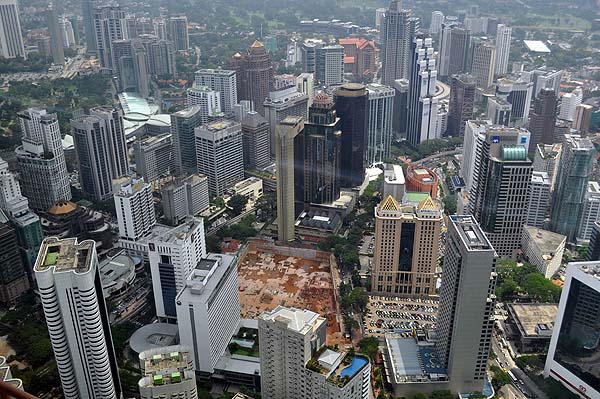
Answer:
(462, 97)
(542, 119)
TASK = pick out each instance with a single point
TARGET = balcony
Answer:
(8, 391)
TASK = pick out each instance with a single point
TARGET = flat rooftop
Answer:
(470, 232)
(151, 336)
(206, 276)
(528, 316)
(536, 46)
(65, 255)
(411, 362)
(297, 320)
(116, 268)
(547, 241)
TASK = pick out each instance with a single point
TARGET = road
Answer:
(439, 155)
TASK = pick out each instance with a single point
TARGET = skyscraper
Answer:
(538, 199)
(482, 63)
(380, 103)
(134, 205)
(582, 118)
(257, 141)
(220, 154)
(184, 197)
(283, 103)
(351, 106)
(56, 35)
(286, 132)
(290, 338)
(222, 81)
(12, 202)
(154, 157)
(322, 152)
(460, 45)
(407, 240)
(183, 125)
(401, 88)
(465, 319)
(518, 93)
(87, 9)
(397, 31)
(568, 104)
(444, 47)
(462, 98)
(570, 187)
(11, 39)
(179, 32)
(503, 37)
(117, 144)
(41, 160)
(329, 65)
(422, 104)
(590, 212)
(70, 288)
(109, 25)
(207, 99)
(437, 19)
(254, 75)
(13, 278)
(542, 119)
(593, 252)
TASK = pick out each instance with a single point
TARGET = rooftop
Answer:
(546, 241)
(533, 319)
(536, 46)
(470, 232)
(221, 72)
(131, 187)
(165, 359)
(301, 321)
(206, 276)
(181, 232)
(151, 336)
(394, 174)
(411, 362)
(133, 103)
(65, 255)
(591, 268)
(540, 178)
(116, 268)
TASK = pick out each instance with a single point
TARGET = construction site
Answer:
(271, 275)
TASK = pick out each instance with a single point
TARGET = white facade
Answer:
(70, 290)
(207, 99)
(483, 63)
(109, 25)
(172, 258)
(11, 39)
(394, 182)
(251, 188)
(11, 199)
(539, 199)
(134, 205)
(437, 19)
(154, 157)
(503, 36)
(117, 144)
(185, 197)
(380, 105)
(289, 338)
(568, 104)
(222, 81)
(591, 211)
(281, 104)
(544, 249)
(208, 309)
(330, 65)
(305, 82)
(475, 132)
(168, 373)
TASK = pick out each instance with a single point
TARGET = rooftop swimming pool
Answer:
(357, 364)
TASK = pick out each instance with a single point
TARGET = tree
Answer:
(449, 202)
(500, 378)
(370, 347)
(213, 244)
(219, 202)
(443, 394)
(418, 395)
(238, 204)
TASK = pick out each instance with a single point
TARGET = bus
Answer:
(504, 343)
(512, 376)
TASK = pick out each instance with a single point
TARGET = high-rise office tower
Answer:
(503, 36)
(406, 247)
(590, 212)
(397, 31)
(283, 103)
(422, 104)
(574, 336)
(351, 106)
(13, 278)
(207, 99)
(546, 159)
(322, 151)
(570, 187)
(482, 62)
(56, 35)
(11, 39)
(539, 199)
(183, 125)
(87, 9)
(290, 338)
(544, 78)
(257, 141)
(134, 205)
(154, 157)
(208, 309)
(379, 16)
(593, 252)
(70, 288)
(117, 144)
(285, 161)
(222, 81)
(462, 98)
(444, 48)
(582, 118)
(168, 373)
(437, 19)
(41, 160)
(185, 197)
(467, 300)
(568, 104)
(254, 75)
(305, 82)
(380, 103)
(308, 49)
(160, 56)
(160, 28)
(130, 61)
(220, 154)
(12, 202)
(66, 28)
(542, 119)
(109, 25)
(172, 257)
(179, 32)
(329, 65)
(518, 93)
(399, 116)
(460, 45)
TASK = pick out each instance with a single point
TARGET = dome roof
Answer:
(62, 208)
(322, 100)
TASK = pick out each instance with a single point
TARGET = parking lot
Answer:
(367, 245)
(400, 315)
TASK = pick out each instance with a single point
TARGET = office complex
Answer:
(13, 277)
(12, 202)
(89, 30)
(570, 186)
(130, 65)
(295, 363)
(207, 99)
(406, 247)
(285, 136)
(178, 30)
(582, 118)
(572, 356)
(183, 126)
(281, 104)
(437, 19)
(257, 140)
(538, 199)
(329, 65)
(220, 154)
(422, 105)
(401, 87)
(543, 249)
(590, 212)
(544, 78)
(542, 119)
(134, 206)
(444, 48)
(503, 37)
(56, 35)
(160, 56)
(308, 50)
(208, 310)
(394, 182)
(185, 197)
(70, 289)
(460, 45)
(222, 81)
(462, 98)
(546, 159)
(518, 93)
(154, 157)
(254, 75)
(568, 104)
(380, 102)
(467, 301)
(172, 257)
(593, 252)
(305, 82)
(109, 25)
(167, 373)
(482, 60)
(11, 40)
(41, 160)
(117, 145)
(397, 31)
(351, 106)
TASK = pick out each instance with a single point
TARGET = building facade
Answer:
(222, 81)
(257, 140)
(11, 39)
(462, 98)
(134, 205)
(168, 373)
(539, 199)
(380, 105)
(397, 31)
(183, 127)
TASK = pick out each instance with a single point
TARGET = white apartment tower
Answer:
(539, 199)
(503, 37)
(208, 309)
(222, 81)
(11, 199)
(380, 104)
(437, 19)
(168, 373)
(569, 103)
(134, 205)
(11, 39)
(294, 364)
(590, 212)
(207, 99)
(113, 120)
(172, 258)
(70, 289)
(109, 25)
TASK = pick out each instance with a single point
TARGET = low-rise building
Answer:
(393, 182)
(168, 373)
(530, 324)
(118, 273)
(251, 188)
(543, 248)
